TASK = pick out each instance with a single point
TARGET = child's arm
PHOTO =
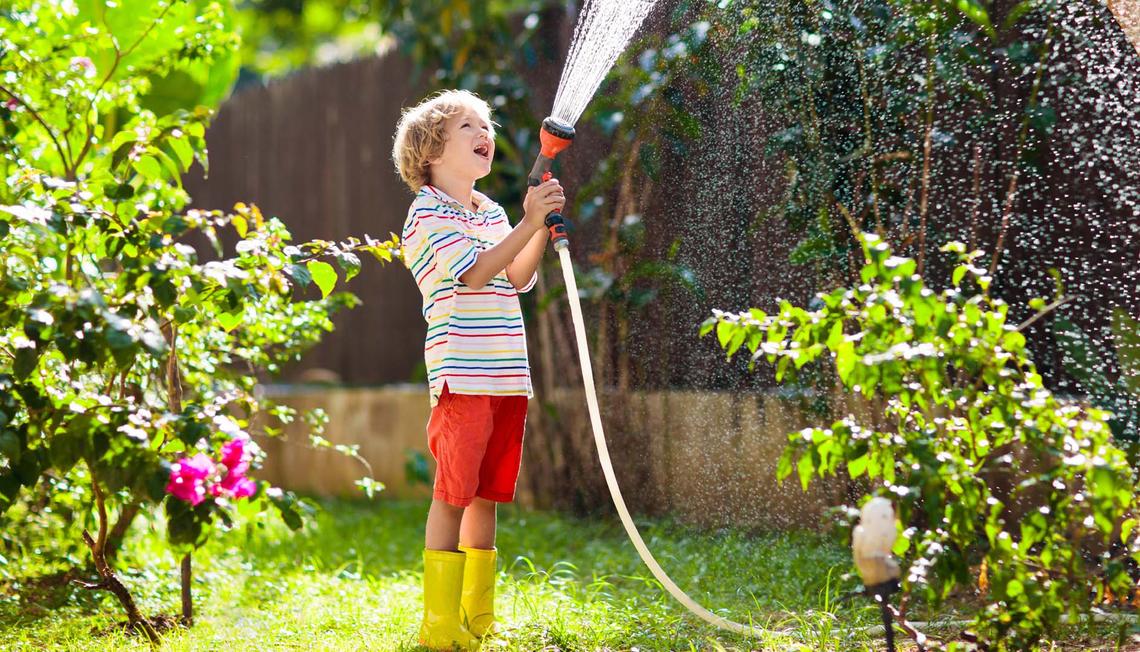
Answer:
(540, 201)
(521, 270)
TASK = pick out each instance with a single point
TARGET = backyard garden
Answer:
(830, 258)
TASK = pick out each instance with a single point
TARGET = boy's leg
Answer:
(442, 530)
(477, 541)
(477, 529)
(497, 476)
(453, 432)
(444, 624)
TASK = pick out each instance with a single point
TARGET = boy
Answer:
(470, 266)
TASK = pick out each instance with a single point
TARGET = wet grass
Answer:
(351, 581)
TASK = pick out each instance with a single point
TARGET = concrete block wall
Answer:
(708, 458)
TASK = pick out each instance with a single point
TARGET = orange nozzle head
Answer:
(555, 136)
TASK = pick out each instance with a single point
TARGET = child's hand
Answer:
(541, 200)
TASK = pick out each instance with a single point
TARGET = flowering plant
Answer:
(193, 478)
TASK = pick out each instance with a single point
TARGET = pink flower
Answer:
(234, 456)
(188, 478)
(11, 104)
(87, 66)
(234, 486)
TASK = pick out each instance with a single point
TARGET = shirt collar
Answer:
(485, 202)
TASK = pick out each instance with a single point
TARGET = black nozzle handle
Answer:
(554, 220)
(540, 171)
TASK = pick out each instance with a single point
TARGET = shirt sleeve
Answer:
(436, 240)
(530, 283)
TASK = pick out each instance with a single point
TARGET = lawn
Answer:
(351, 581)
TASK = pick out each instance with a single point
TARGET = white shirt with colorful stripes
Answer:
(476, 341)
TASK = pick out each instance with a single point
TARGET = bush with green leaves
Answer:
(1088, 362)
(128, 363)
(987, 468)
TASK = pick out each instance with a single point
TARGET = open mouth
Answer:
(483, 150)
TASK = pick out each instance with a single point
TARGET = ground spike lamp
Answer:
(871, 544)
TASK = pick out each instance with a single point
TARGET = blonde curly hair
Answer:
(420, 133)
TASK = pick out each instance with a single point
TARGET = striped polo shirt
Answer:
(475, 340)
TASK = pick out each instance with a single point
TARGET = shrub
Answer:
(962, 408)
(127, 365)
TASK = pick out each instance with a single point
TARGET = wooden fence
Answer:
(314, 149)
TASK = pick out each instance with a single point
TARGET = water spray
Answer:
(603, 29)
(555, 136)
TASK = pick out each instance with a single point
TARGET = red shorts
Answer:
(476, 441)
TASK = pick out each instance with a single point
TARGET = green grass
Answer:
(351, 581)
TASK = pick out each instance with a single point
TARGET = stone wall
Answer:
(708, 458)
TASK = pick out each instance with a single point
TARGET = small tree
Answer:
(127, 365)
(962, 406)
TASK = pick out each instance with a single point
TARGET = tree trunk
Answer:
(187, 598)
(119, 531)
(109, 581)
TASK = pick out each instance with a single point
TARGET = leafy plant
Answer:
(875, 96)
(986, 466)
(128, 365)
(1086, 361)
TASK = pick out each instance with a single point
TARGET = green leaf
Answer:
(323, 275)
(805, 468)
(67, 447)
(974, 10)
(1126, 331)
(708, 325)
(736, 341)
(1126, 528)
(299, 273)
(149, 168)
(958, 274)
(230, 320)
(286, 504)
(10, 446)
(184, 523)
(349, 264)
(845, 360)
(835, 336)
(724, 333)
(784, 466)
(25, 361)
(382, 254)
(183, 151)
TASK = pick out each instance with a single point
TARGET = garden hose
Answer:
(608, 470)
(555, 136)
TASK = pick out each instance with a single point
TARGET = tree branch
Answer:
(39, 119)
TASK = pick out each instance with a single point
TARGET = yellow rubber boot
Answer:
(443, 627)
(479, 590)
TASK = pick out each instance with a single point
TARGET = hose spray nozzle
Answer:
(555, 136)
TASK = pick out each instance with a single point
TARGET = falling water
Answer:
(603, 30)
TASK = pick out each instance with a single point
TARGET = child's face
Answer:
(469, 147)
